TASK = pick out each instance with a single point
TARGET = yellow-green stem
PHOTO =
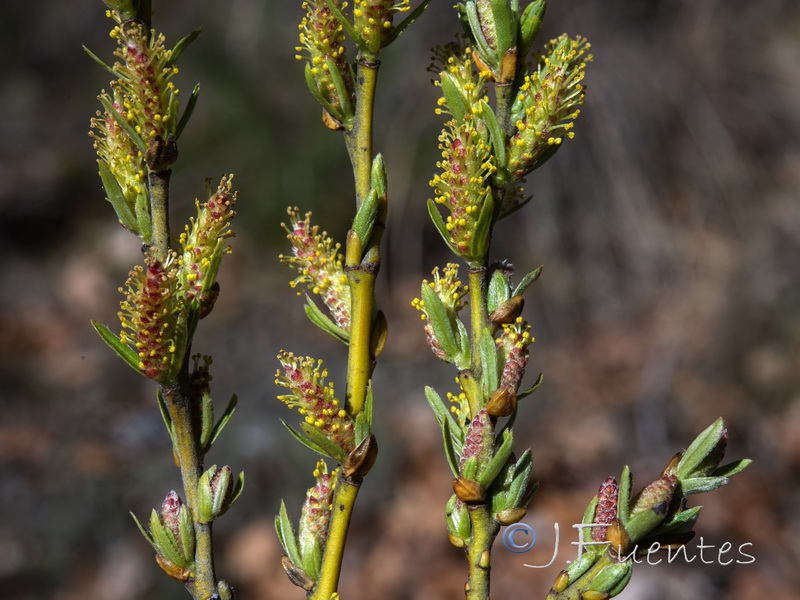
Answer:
(359, 360)
(479, 552)
(159, 211)
(359, 138)
(478, 318)
(204, 583)
(344, 499)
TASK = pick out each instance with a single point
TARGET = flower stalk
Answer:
(346, 92)
(136, 142)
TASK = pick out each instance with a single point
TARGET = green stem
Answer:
(344, 499)
(359, 360)
(478, 285)
(359, 138)
(186, 437)
(159, 210)
(479, 552)
(504, 96)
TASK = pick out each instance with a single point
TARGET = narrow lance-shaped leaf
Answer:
(187, 112)
(116, 198)
(124, 351)
(440, 321)
(321, 320)
(223, 420)
(123, 122)
(182, 44)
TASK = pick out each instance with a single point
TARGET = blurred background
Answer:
(669, 231)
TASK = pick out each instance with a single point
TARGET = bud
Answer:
(508, 311)
(510, 516)
(459, 528)
(501, 403)
(478, 441)
(172, 535)
(606, 511)
(216, 492)
(658, 492)
(469, 490)
(361, 460)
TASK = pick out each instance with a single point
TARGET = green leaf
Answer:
(480, 237)
(470, 470)
(124, 351)
(223, 420)
(312, 87)
(464, 356)
(100, 62)
(286, 535)
(507, 212)
(363, 425)
(186, 531)
(449, 448)
(683, 520)
(162, 407)
(700, 448)
(521, 479)
(527, 281)
(496, 135)
(123, 122)
(206, 422)
(401, 27)
(499, 290)
(438, 222)
(641, 524)
(530, 23)
(452, 95)
(490, 471)
(588, 518)
(347, 25)
(624, 496)
(732, 468)
(164, 541)
(365, 217)
(182, 44)
(531, 389)
(699, 485)
(489, 57)
(321, 320)
(490, 375)
(319, 439)
(440, 411)
(143, 218)
(307, 443)
(440, 321)
(116, 198)
(345, 114)
(505, 25)
(187, 112)
(145, 533)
